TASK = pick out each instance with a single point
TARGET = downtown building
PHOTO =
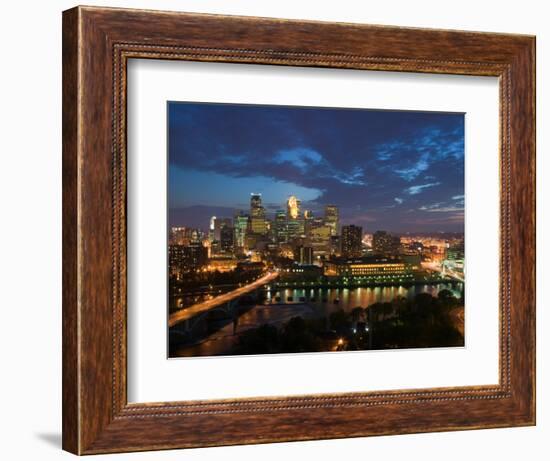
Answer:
(352, 241)
(385, 243)
(332, 219)
(186, 258)
(258, 224)
(369, 267)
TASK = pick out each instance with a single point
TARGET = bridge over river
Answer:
(226, 298)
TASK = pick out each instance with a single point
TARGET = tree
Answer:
(357, 314)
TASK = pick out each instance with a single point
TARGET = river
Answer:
(282, 305)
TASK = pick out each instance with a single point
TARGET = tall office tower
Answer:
(255, 204)
(335, 245)
(309, 220)
(351, 241)
(219, 223)
(257, 215)
(212, 229)
(195, 236)
(332, 218)
(295, 221)
(240, 225)
(386, 243)
(280, 227)
(226, 239)
(293, 207)
(319, 240)
(294, 229)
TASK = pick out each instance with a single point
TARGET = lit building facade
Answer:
(366, 267)
(293, 207)
(221, 264)
(185, 258)
(352, 245)
(178, 236)
(319, 240)
(280, 229)
(454, 258)
(240, 226)
(332, 218)
(303, 255)
(257, 215)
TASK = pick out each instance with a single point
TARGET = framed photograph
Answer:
(281, 230)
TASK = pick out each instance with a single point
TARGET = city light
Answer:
(295, 249)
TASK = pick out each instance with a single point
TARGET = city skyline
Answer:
(399, 171)
(296, 229)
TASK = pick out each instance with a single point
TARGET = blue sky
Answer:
(401, 171)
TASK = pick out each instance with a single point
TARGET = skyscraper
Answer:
(240, 225)
(280, 227)
(226, 238)
(332, 218)
(212, 229)
(352, 241)
(216, 225)
(293, 207)
(295, 221)
(319, 240)
(255, 204)
(257, 215)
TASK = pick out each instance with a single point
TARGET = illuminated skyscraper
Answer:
(293, 207)
(280, 227)
(257, 215)
(319, 240)
(351, 241)
(332, 218)
(240, 225)
(212, 229)
(256, 208)
(295, 229)
(295, 222)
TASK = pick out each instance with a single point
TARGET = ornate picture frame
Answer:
(97, 44)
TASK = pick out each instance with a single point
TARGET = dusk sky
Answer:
(400, 171)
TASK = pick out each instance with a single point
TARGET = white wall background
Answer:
(30, 230)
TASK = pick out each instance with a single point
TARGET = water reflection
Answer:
(281, 305)
(330, 299)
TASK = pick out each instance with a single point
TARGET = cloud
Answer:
(302, 158)
(414, 190)
(323, 155)
(411, 173)
(398, 200)
(456, 204)
(431, 146)
(440, 209)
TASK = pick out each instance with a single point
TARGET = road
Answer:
(199, 308)
(436, 267)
